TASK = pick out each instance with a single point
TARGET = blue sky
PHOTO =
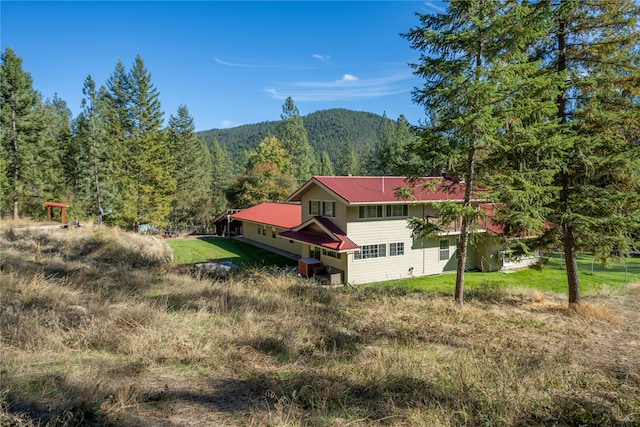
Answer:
(230, 63)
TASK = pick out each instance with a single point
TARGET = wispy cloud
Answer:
(226, 123)
(348, 78)
(323, 58)
(263, 65)
(437, 6)
(347, 88)
(232, 64)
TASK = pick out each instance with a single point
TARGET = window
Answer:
(273, 233)
(444, 250)
(324, 208)
(314, 207)
(371, 251)
(331, 254)
(314, 252)
(397, 210)
(264, 230)
(396, 249)
(370, 211)
(329, 209)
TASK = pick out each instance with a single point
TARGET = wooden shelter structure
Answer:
(63, 210)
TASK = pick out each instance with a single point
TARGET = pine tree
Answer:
(152, 187)
(347, 161)
(594, 45)
(193, 170)
(386, 150)
(293, 135)
(94, 179)
(115, 97)
(325, 165)
(19, 124)
(53, 162)
(222, 166)
(473, 57)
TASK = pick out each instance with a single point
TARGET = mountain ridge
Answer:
(328, 130)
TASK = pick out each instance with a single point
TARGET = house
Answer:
(263, 224)
(357, 226)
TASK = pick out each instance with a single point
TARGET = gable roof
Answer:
(320, 231)
(355, 190)
(284, 215)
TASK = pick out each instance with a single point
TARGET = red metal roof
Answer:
(377, 189)
(331, 236)
(495, 227)
(284, 215)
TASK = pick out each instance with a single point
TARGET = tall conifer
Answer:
(20, 123)
(473, 57)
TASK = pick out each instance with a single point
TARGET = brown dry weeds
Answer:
(98, 328)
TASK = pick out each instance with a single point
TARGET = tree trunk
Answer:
(572, 264)
(16, 162)
(462, 260)
(568, 239)
(464, 230)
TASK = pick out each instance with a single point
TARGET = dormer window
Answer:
(322, 208)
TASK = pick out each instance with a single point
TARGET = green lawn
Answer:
(191, 251)
(552, 278)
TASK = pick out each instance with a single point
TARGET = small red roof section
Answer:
(378, 189)
(284, 215)
(322, 232)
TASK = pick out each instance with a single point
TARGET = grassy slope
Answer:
(97, 332)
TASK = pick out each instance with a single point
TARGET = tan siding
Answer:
(317, 193)
(250, 231)
(419, 259)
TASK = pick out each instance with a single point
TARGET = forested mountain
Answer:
(328, 131)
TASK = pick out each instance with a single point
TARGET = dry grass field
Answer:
(98, 327)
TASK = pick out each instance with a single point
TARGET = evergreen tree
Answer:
(386, 149)
(293, 135)
(193, 170)
(473, 58)
(594, 47)
(221, 166)
(325, 165)
(221, 173)
(347, 161)
(94, 180)
(115, 97)
(54, 164)
(20, 123)
(152, 187)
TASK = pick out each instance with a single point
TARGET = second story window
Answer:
(370, 211)
(322, 208)
(314, 207)
(397, 210)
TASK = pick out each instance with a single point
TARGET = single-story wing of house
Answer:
(357, 228)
